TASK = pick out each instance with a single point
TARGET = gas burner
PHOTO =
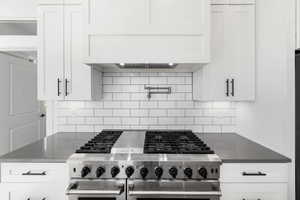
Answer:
(101, 143)
(174, 142)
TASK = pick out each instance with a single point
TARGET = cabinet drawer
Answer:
(32, 172)
(254, 172)
(254, 191)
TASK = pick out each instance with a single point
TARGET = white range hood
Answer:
(138, 32)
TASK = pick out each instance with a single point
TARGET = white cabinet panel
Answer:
(62, 74)
(78, 76)
(16, 9)
(50, 53)
(147, 31)
(230, 76)
(254, 191)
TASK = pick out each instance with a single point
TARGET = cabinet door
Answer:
(254, 191)
(50, 53)
(77, 75)
(231, 73)
(241, 34)
(211, 82)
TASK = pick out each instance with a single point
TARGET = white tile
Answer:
(76, 120)
(185, 120)
(84, 112)
(212, 129)
(222, 120)
(167, 104)
(112, 120)
(99, 128)
(103, 112)
(130, 121)
(121, 80)
(148, 120)
(130, 104)
(66, 128)
(176, 112)
(107, 80)
(112, 104)
(132, 88)
(61, 120)
(121, 96)
(158, 127)
(159, 97)
(85, 128)
(219, 112)
(193, 112)
(194, 128)
(121, 126)
(158, 80)
(221, 104)
(185, 104)
(145, 127)
(188, 80)
(177, 96)
(107, 96)
(176, 80)
(203, 120)
(183, 88)
(121, 113)
(176, 127)
(94, 120)
(157, 112)
(93, 104)
(140, 80)
(139, 112)
(167, 120)
(138, 96)
(148, 104)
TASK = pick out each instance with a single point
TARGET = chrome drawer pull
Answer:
(29, 173)
(254, 174)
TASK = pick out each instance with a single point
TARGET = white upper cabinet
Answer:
(231, 74)
(145, 31)
(18, 10)
(61, 72)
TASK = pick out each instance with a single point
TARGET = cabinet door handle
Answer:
(66, 85)
(232, 87)
(254, 174)
(58, 87)
(29, 173)
(227, 87)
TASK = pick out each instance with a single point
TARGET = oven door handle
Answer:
(175, 193)
(113, 192)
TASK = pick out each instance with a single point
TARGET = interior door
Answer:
(22, 117)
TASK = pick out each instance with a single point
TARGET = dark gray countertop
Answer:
(230, 147)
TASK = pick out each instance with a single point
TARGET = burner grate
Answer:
(101, 143)
(174, 142)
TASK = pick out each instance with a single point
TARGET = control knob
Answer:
(115, 171)
(173, 172)
(144, 172)
(129, 171)
(203, 172)
(158, 172)
(85, 171)
(188, 172)
(100, 171)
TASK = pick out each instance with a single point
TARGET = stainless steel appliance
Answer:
(144, 165)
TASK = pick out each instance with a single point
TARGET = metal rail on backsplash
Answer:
(157, 90)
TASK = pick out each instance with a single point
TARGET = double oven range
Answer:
(144, 165)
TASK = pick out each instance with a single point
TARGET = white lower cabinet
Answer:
(254, 191)
(254, 181)
(33, 181)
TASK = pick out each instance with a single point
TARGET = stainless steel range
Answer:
(144, 165)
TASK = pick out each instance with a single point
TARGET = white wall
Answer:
(18, 9)
(270, 120)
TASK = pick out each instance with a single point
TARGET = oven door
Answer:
(173, 190)
(96, 190)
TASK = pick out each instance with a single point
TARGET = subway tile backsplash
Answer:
(125, 105)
